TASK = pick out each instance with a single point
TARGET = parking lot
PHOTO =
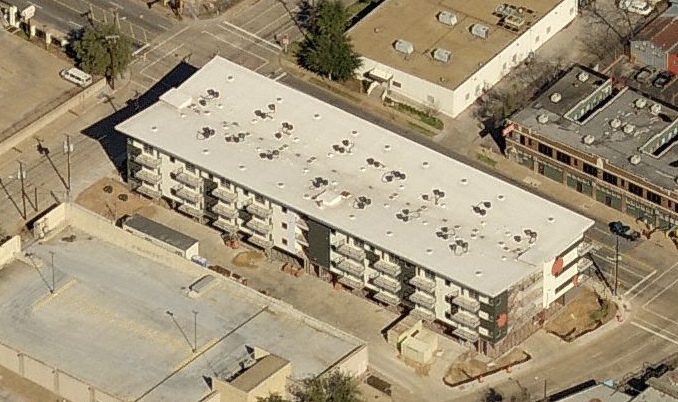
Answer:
(627, 71)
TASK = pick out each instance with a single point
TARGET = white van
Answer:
(76, 76)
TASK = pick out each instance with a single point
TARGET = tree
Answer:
(272, 398)
(325, 49)
(101, 49)
(333, 387)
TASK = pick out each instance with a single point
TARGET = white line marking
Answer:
(278, 78)
(662, 316)
(141, 49)
(35, 5)
(146, 87)
(653, 332)
(116, 5)
(74, 24)
(248, 33)
(294, 10)
(655, 280)
(162, 26)
(238, 47)
(660, 293)
(143, 70)
(168, 39)
(650, 275)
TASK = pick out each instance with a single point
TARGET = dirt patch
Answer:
(421, 370)
(585, 313)
(14, 388)
(469, 366)
(111, 199)
(248, 259)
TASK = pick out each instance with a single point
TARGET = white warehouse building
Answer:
(444, 55)
(356, 204)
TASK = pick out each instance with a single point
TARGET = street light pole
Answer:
(616, 265)
(195, 331)
(22, 175)
(52, 265)
(68, 148)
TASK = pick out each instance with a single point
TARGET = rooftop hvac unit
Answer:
(442, 55)
(480, 31)
(447, 18)
(583, 76)
(640, 103)
(514, 21)
(615, 123)
(628, 128)
(543, 118)
(634, 159)
(556, 97)
(403, 46)
(655, 109)
(589, 139)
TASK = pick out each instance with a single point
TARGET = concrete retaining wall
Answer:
(8, 249)
(38, 372)
(9, 358)
(355, 363)
(73, 389)
(50, 116)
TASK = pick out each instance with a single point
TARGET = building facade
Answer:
(480, 42)
(386, 232)
(605, 141)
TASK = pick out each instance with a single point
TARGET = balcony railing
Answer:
(388, 283)
(387, 267)
(260, 241)
(465, 333)
(466, 318)
(423, 299)
(147, 160)
(224, 194)
(351, 252)
(423, 314)
(148, 176)
(388, 298)
(467, 303)
(226, 226)
(584, 248)
(224, 210)
(301, 239)
(148, 191)
(301, 224)
(186, 178)
(351, 282)
(186, 194)
(423, 283)
(190, 210)
(258, 210)
(583, 264)
(351, 267)
(258, 226)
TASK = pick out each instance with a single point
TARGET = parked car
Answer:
(624, 231)
(645, 74)
(663, 79)
(639, 7)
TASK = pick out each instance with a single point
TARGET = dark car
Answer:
(662, 79)
(645, 74)
(624, 231)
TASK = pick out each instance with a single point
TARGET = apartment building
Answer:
(444, 55)
(356, 203)
(603, 140)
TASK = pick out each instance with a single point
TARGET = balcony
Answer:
(190, 210)
(388, 298)
(466, 318)
(260, 242)
(387, 267)
(226, 226)
(147, 160)
(583, 264)
(350, 251)
(584, 248)
(186, 178)
(467, 334)
(351, 282)
(423, 283)
(337, 242)
(186, 194)
(423, 314)
(423, 299)
(148, 176)
(258, 210)
(388, 283)
(351, 267)
(467, 303)
(258, 226)
(224, 210)
(224, 194)
(301, 239)
(148, 191)
(301, 224)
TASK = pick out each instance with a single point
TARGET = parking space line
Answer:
(142, 71)
(250, 34)
(174, 35)
(278, 78)
(653, 332)
(660, 292)
(662, 316)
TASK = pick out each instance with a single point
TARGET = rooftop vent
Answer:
(403, 46)
(447, 18)
(393, 175)
(583, 76)
(640, 103)
(270, 154)
(362, 202)
(556, 97)
(634, 159)
(543, 118)
(205, 133)
(445, 233)
(459, 247)
(480, 30)
(514, 21)
(344, 147)
(287, 127)
(531, 235)
(655, 109)
(240, 137)
(271, 107)
(442, 55)
(615, 123)
(319, 182)
(589, 139)
(374, 162)
(628, 128)
(212, 94)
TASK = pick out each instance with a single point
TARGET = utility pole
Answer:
(195, 331)
(68, 149)
(22, 176)
(111, 39)
(52, 265)
(616, 266)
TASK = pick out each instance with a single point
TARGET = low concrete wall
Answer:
(38, 372)
(355, 363)
(72, 389)
(9, 358)
(50, 116)
(8, 249)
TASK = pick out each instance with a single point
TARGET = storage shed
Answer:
(162, 236)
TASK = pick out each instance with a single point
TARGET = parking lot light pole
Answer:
(68, 149)
(616, 265)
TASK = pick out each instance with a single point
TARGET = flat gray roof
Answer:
(330, 159)
(107, 322)
(258, 373)
(160, 232)
(613, 144)
(416, 21)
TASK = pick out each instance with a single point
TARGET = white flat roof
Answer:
(328, 145)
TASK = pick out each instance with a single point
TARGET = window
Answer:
(172, 159)
(210, 176)
(592, 170)
(190, 168)
(637, 190)
(529, 142)
(610, 178)
(656, 198)
(428, 274)
(565, 158)
(284, 241)
(545, 149)
(448, 282)
(148, 149)
(225, 183)
(284, 225)
(358, 243)
(522, 140)
(246, 192)
(284, 210)
(396, 84)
